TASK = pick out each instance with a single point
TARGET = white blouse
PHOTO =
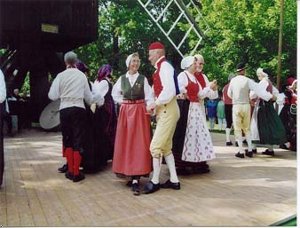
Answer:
(239, 90)
(71, 87)
(100, 89)
(203, 92)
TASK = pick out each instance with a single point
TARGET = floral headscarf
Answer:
(104, 71)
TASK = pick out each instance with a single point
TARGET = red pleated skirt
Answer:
(132, 154)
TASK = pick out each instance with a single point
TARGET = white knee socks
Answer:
(227, 130)
(249, 142)
(156, 169)
(171, 165)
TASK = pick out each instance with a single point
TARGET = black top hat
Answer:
(240, 67)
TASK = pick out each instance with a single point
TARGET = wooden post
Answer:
(279, 49)
(280, 44)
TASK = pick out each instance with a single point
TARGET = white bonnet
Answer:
(186, 62)
(260, 71)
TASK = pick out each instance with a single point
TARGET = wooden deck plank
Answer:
(237, 192)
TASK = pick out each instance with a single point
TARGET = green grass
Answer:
(291, 221)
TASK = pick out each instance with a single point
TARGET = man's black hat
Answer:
(240, 67)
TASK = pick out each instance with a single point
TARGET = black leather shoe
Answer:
(150, 187)
(229, 143)
(63, 169)
(249, 154)
(283, 146)
(78, 177)
(239, 155)
(268, 152)
(169, 184)
(69, 175)
(236, 144)
(136, 189)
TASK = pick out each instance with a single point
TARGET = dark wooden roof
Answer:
(58, 25)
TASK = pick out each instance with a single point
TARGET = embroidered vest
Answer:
(192, 90)
(136, 92)
(157, 85)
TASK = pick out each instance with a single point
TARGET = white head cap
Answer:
(186, 62)
(260, 72)
(128, 60)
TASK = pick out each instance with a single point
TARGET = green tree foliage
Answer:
(240, 30)
(248, 31)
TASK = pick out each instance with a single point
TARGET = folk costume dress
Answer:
(197, 145)
(266, 126)
(132, 154)
(90, 162)
(288, 114)
(105, 122)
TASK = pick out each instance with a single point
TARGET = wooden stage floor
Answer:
(237, 192)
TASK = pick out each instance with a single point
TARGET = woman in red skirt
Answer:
(132, 156)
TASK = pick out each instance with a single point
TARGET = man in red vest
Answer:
(167, 115)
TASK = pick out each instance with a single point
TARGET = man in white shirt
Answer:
(71, 87)
(167, 115)
(238, 90)
(2, 107)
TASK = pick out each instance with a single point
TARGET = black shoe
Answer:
(229, 143)
(63, 169)
(69, 175)
(169, 184)
(78, 177)
(249, 154)
(245, 142)
(239, 155)
(283, 146)
(268, 152)
(236, 144)
(136, 189)
(150, 187)
(254, 151)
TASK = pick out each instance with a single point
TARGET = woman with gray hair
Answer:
(132, 156)
(192, 144)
